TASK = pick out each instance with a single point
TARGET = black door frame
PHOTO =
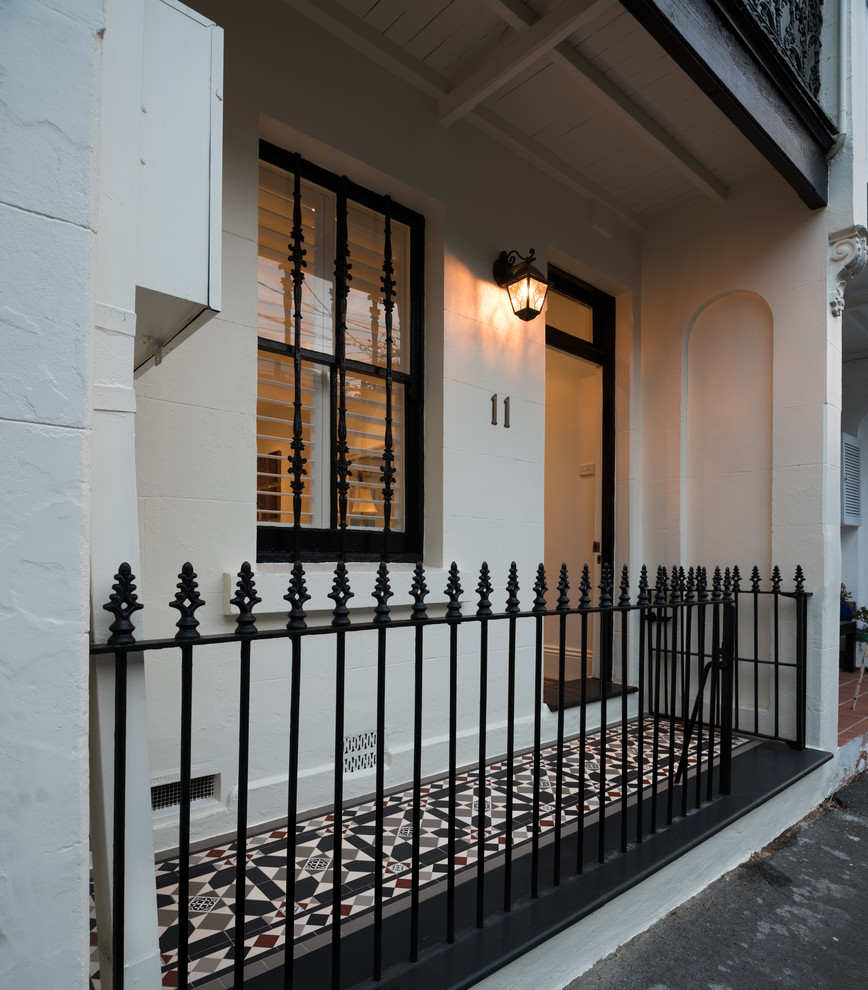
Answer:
(602, 353)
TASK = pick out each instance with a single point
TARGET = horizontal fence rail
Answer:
(680, 676)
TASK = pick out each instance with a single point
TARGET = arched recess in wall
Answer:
(727, 434)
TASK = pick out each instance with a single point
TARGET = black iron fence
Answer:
(684, 671)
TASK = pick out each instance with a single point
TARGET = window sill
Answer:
(272, 582)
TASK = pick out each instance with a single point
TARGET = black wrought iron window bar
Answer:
(339, 435)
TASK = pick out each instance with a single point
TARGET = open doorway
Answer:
(579, 468)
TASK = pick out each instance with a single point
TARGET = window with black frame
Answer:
(339, 410)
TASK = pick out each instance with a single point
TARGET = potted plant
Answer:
(860, 614)
(848, 606)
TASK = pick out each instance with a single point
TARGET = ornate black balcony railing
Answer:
(794, 28)
(557, 801)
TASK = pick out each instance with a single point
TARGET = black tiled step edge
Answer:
(573, 691)
(759, 774)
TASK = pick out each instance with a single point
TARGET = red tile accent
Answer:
(851, 723)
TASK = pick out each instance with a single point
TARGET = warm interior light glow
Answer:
(527, 295)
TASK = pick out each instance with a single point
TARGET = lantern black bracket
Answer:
(507, 263)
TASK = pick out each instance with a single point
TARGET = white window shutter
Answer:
(851, 480)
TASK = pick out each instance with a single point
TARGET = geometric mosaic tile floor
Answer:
(212, 871)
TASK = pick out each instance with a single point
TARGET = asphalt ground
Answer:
(795, 915)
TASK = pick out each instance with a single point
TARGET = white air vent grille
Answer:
(169, 795)
(360, 752)
(851, 481)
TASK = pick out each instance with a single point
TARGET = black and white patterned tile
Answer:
(623, 765)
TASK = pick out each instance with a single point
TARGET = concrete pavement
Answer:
(794, 916)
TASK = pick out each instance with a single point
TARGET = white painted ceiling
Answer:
(575, 85)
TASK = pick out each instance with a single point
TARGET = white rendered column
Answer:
(115, 536)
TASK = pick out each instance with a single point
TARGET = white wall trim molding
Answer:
(115, 319)
(114, 398)
(848, 254)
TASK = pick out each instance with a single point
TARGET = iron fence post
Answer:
(801, 658)
(727, 667)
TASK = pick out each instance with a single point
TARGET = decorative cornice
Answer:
(848, 254)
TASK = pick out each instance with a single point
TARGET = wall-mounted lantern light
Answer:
(527, 287)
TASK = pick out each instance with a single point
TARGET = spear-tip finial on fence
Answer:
(585, 588)
(340, 595)
(297, 595)
(484, 590)
(736, 579)
(563, 603)
(605, 586)
(453, 592)
(715, 585)
(800, 580)
(540, 588)
(662, 586)
(244, 600)
(701, 584)
(122, 602)
(382, 593)
(755, 579)
(512, 603)
(676, 586)
(186, 601)
(776, 578)
(727, 585)
(624, 597)
(690, 586)
(643, 598)
(418, 592)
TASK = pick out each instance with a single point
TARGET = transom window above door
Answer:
(339, 410)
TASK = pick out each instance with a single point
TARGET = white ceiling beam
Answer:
(639, 123)
(508, 134)
(338, 21)
(535, 40)
(601, 88)
(354, 32)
